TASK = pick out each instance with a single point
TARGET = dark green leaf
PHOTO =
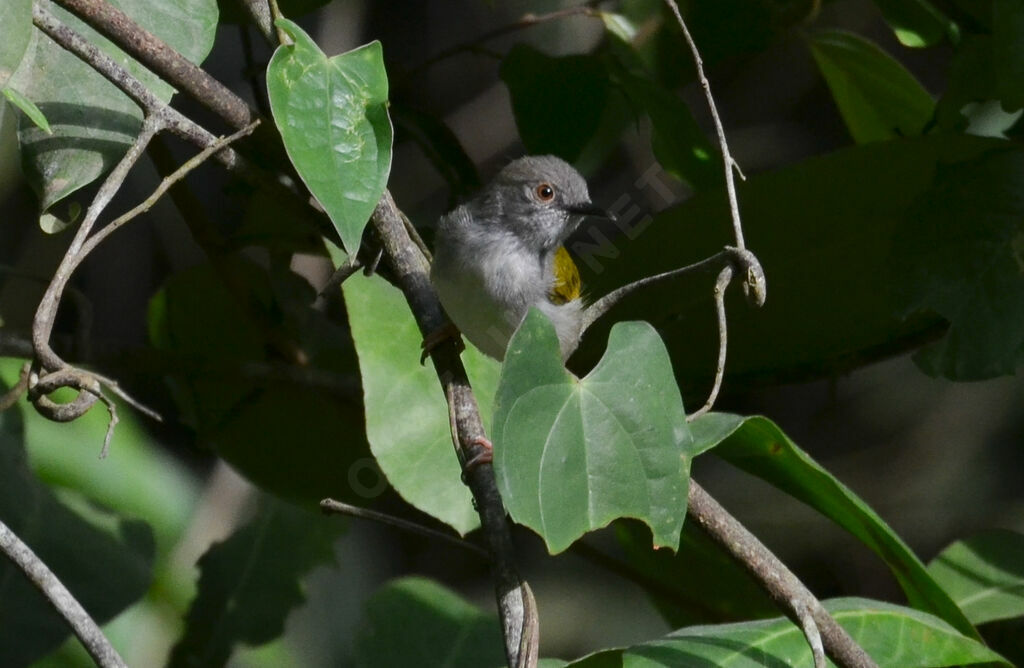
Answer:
(417, 622)
(918, 22)
(894, 636)
(1008, 51)
(333, 118)
(105, 560)
(961, 254)
(822, 230)
(558, 102)
(441, 147)
(984, 574)
(93, 122)
(700, 583)
(572, 455)
(678, 142)
(406, 413)
(877, 97)
(760, 448)
(244, 403)
(251, 581)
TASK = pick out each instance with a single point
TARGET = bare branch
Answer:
(152, 52)
(340, 508)
(786, 590)
(83, 626)
(730, 164)
(724, 278)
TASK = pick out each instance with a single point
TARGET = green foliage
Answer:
(221, 321)
(333, 118)
(558, 102)
(961, 254)
(877, 97)
(251, 581)
(571, 455)
(918, 23)
(912, 234)
(894, 636)
(104, 559)
(93, 122)
(406, 416)
(756, 445)
(984, 574)
(417, 622)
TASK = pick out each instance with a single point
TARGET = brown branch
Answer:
(782, 585)
(526, 21)
(332, 506)
(57, 595)
(412, 274)
(170, 65)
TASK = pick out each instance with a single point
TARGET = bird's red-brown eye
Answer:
(545, 192)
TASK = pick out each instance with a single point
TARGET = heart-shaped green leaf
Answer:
(572, 455)
(333, 118)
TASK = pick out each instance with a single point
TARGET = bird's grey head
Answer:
(539, 198)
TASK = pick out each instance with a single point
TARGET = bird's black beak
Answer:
(590, 209)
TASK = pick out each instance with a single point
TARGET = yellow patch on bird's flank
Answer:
(567, 285)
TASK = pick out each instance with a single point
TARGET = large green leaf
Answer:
(757, 446)
(984, 574)
(333, 118)
(558, 101)
(93, 122)
(894, 636)
(244, 402)
(961, 254)
(700, 583)
(417, 622)
(406, 413)
(877, 97)
(15, 34)
(822, 230)
(917, 23)
(105, 560)
(571, 455)
(251, 581)
(138, 479)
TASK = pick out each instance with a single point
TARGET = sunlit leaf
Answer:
(332, 115)
(571, 455)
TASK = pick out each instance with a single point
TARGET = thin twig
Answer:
(83, 626)
(730, 164)
(743, 261)
(345, 270)
(152, 52)
(778, 581)
(340, 508)
(11, 396)
(721, 283)
(164, 185)
(526, 21)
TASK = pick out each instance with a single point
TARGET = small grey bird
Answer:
(501, 253)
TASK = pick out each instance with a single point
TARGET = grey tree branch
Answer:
(341, 508)
(83, 626)
(786, 590)
(730, 164)
(516, 606)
